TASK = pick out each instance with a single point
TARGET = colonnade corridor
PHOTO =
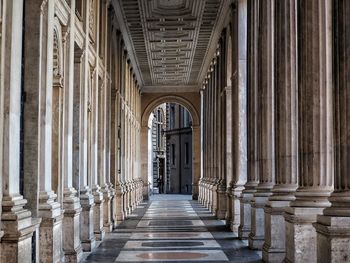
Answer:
(172, 228)
(86, 86)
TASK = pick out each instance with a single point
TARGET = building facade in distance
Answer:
(179, 150)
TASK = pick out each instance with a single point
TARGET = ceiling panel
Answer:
(170, 38)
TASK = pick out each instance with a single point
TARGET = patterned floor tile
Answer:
(172, 228)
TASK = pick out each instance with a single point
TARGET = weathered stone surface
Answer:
(315, 130)
(87, 236)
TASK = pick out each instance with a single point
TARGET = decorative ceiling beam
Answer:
(127, 40)
(170, 88)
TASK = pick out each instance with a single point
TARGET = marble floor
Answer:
(172, 228)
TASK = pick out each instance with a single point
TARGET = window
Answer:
(159, 125)
(173, 154)
(187, 154)
(172, 116)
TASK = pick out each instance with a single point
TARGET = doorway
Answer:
(170, 150)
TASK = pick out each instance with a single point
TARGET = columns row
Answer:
(289, 111)
(70, 129)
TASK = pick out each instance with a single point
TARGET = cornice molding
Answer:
(127, 40)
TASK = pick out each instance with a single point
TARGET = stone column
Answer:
(118, 186)
(333, 227)
(209, 141)
(140, 181)
(209, 148)
(126, 144)
(107, 190)
(286, 131)
(17, 222)
(128, 161)
(196, 161)
(133, 148)
(202, 151)
(38, 84)
(99, 230)
(227, 93)
(226, 132)
(109, 220)
(102, 129)
(144, 161)
(123, 157)
(116, 137)
(206, 143)
(80, 149)
(252, 121)
(71, 204)
(239, 108)
(221, 179)
(82, 137)
(125, 141)
(214, 128)
(266, 122)
(315, 129)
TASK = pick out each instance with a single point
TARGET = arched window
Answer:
(159, 127)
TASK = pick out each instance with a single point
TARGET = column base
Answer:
(88, 240)
(72, 248)
(243, 233)
(126, 200)
(51, 249)
(273, 255)
(145, 192)
(245, 226)
(107, 197)
(118, 199)
(214, 204)
(256, 238)
(300, 234)
(274, 246)
(333, 239)
(195, 191)
(255, 242)
(221, 201)
(236, 193)
(19, 226)
(134, 195)
(228, 216)
(99, 231)
(209, 195)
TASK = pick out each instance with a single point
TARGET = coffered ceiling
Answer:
(171, 42)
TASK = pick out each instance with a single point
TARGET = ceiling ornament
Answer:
(171, 38)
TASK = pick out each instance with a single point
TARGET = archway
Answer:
(192, 104)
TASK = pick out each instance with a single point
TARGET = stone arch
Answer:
(57, 52)
(170, 99)
(192, 103)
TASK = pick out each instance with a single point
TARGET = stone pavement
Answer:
(172, 228)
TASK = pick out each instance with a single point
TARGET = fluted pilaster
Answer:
(252, 118)
(239, 108)
(315, 129)
(286, 131)
(17, 224)
(333, 227)
(266, 121)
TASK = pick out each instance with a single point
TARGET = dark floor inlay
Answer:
(170, 223)
(172, 244)
(172, 255)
